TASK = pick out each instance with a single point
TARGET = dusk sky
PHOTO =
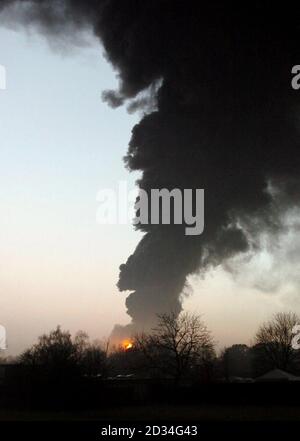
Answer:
(60, 144)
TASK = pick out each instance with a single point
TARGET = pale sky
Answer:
(60, 144)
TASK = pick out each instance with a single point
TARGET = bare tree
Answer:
(178, 345)
(274, 340)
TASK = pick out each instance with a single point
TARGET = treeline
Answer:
(180, 349)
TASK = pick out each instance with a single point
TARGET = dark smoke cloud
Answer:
(225, 120)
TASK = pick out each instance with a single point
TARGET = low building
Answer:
(277, 375)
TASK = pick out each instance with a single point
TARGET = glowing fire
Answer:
(127, 345)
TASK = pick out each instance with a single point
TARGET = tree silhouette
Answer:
(177, 346)
(273, 340)
(61, 356)
(237, 361)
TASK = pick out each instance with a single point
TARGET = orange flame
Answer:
(127, 344)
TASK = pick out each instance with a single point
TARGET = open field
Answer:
(163, 412)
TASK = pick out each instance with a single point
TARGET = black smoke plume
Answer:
(226, 119)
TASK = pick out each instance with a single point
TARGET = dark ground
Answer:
(162, 412)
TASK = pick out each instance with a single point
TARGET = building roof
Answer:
(277, 375)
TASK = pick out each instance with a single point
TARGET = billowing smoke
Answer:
(225, 119)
